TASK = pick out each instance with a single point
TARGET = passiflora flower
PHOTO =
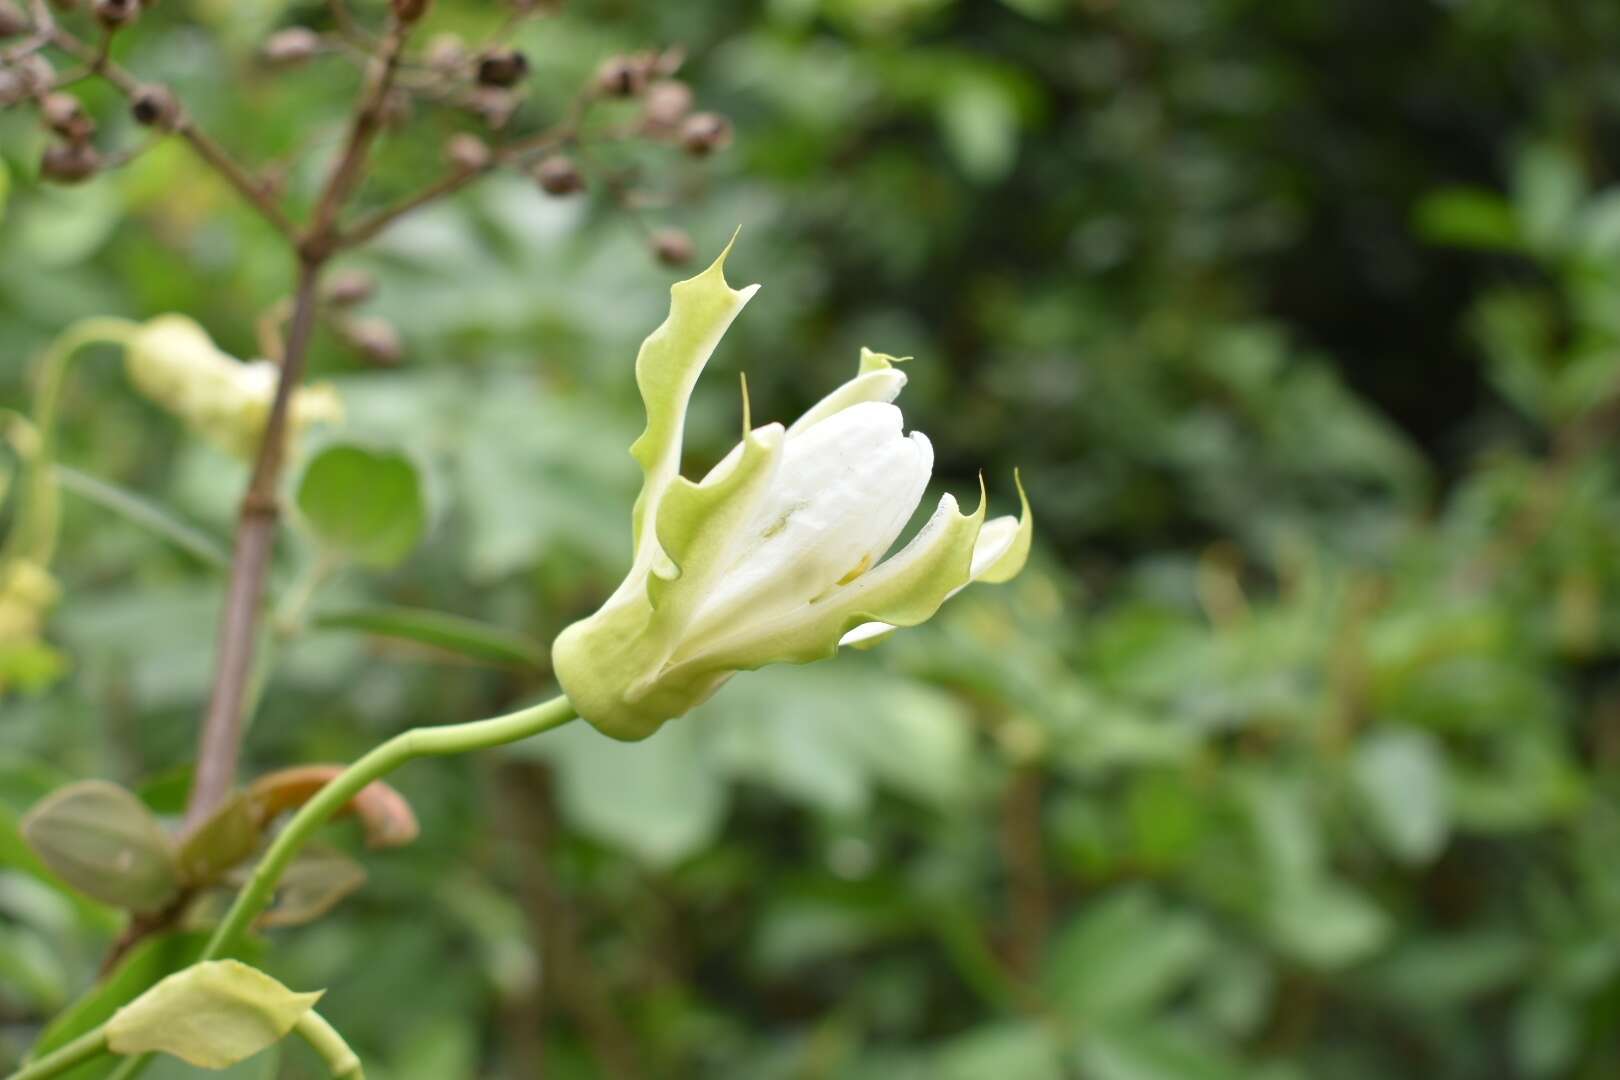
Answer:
(777, 555)
(173, 361)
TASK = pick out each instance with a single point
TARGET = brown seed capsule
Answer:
(293, 45)
(666, 104)
(704, 133)
(69, 163)
(621, 76)
(672, 246)
(12, 20)
(558, 175)
(155, 107)
(65, 115)
(347, 288)
(114, 14)
(500, 66)
(409, 11)
(373, 338)
(467, 152)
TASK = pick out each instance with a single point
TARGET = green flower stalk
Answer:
(777, 555)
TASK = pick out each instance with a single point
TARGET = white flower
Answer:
(778, 553)
(172, 361)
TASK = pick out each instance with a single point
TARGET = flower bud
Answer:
(673, 247)
(114, 14)
(375, 339)
(13, 87)
(558, 175)
(621, 76)
(347, 288)
(64, 114)
(704, 133)
(409, 11)
(667, 103)
(501, 66)
(291, 46)
(69, 163)
(155, 107)
(467, 152)
(12, 20)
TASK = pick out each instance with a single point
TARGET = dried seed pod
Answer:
(375, 339)
(347, 288)
(69, 163)
(467, 152)
(409, 11)
(293, 45)
(621, 76)
(673, 247)
(38, 75)
(64, 114)
(501, 66)
(704, 133)
(155, 107)
(13, 87)
(12, 20)
(114, 14)
(558, 175)
(666, 104)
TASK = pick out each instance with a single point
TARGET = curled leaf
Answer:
(211, 1015)
(385, 815)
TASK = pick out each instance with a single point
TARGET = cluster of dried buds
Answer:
(27, 75)
(630, 99)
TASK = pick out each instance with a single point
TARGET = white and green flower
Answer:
(777, 555)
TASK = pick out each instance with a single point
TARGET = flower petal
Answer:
(877, 380)
(845, 490)
(667, 367)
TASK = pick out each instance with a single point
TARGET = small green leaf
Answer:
(1400, 776)
(313, 885)
(212, 1015)
(227, 838)
(104, 842)
(363, 503)
(442, 630)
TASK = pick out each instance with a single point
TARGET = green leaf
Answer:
(366, 504)
(1547, 190)
(104, 842)
(1470, 218)
(1125, 954)
(442, 630)
(212, 1015)
(659, 799)
(227, 838)
(1400, 776)
(145, 513)
(1025, 1050)
(316, 881)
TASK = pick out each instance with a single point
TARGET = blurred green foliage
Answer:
(1293, 754)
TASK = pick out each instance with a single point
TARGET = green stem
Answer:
(134, 508)
(89, 1045)
(406, 746)
(34, 535)
(324, 1039)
